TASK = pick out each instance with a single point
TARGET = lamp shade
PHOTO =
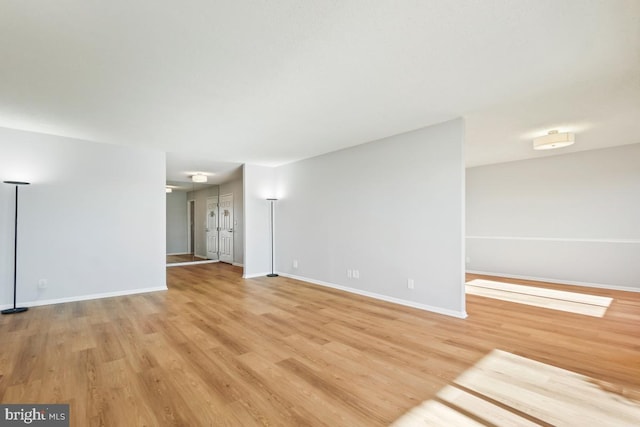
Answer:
(553, 140)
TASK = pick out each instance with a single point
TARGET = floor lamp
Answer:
(15, 253)
(272, 201)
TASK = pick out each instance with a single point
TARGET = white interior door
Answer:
(212, 228)
(226, 228)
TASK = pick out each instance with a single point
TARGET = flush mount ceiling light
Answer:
(199, 178)
(168, 189)
(553, 140)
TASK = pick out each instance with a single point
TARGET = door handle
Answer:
(230, 230)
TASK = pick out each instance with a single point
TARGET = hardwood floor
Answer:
(219, 350)
(172, 259)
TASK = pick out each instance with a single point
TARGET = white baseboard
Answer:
(179, 253)
(433, 309)
(86, 297)
(180, 264)
(253, 276)
(237, 264)
(561, 282)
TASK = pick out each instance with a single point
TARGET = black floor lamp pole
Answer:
(15, 253)
(272, 272)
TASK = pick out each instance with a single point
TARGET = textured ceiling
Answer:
(271, 82)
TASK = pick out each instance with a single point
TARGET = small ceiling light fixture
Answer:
(553, 140)
(168, 189)
(199, 178)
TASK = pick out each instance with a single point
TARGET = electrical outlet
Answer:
(356, 274)
(468, 260)
(349, 274)
(43, 283)
(410, 284)
(295, 263)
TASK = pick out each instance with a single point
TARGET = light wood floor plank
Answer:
(216, 349)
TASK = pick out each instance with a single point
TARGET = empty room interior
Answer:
(239, 213)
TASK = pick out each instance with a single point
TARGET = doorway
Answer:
(201, 223)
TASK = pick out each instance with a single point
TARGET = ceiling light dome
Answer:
(199, 178)
(553, 140)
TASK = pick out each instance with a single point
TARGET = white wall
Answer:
(572, 218)
(235, 187)
(392, 209)
(177, 223)
(259, 184)
(92, 222)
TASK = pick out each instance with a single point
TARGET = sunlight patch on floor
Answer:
(504, 389)
(572, 302)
